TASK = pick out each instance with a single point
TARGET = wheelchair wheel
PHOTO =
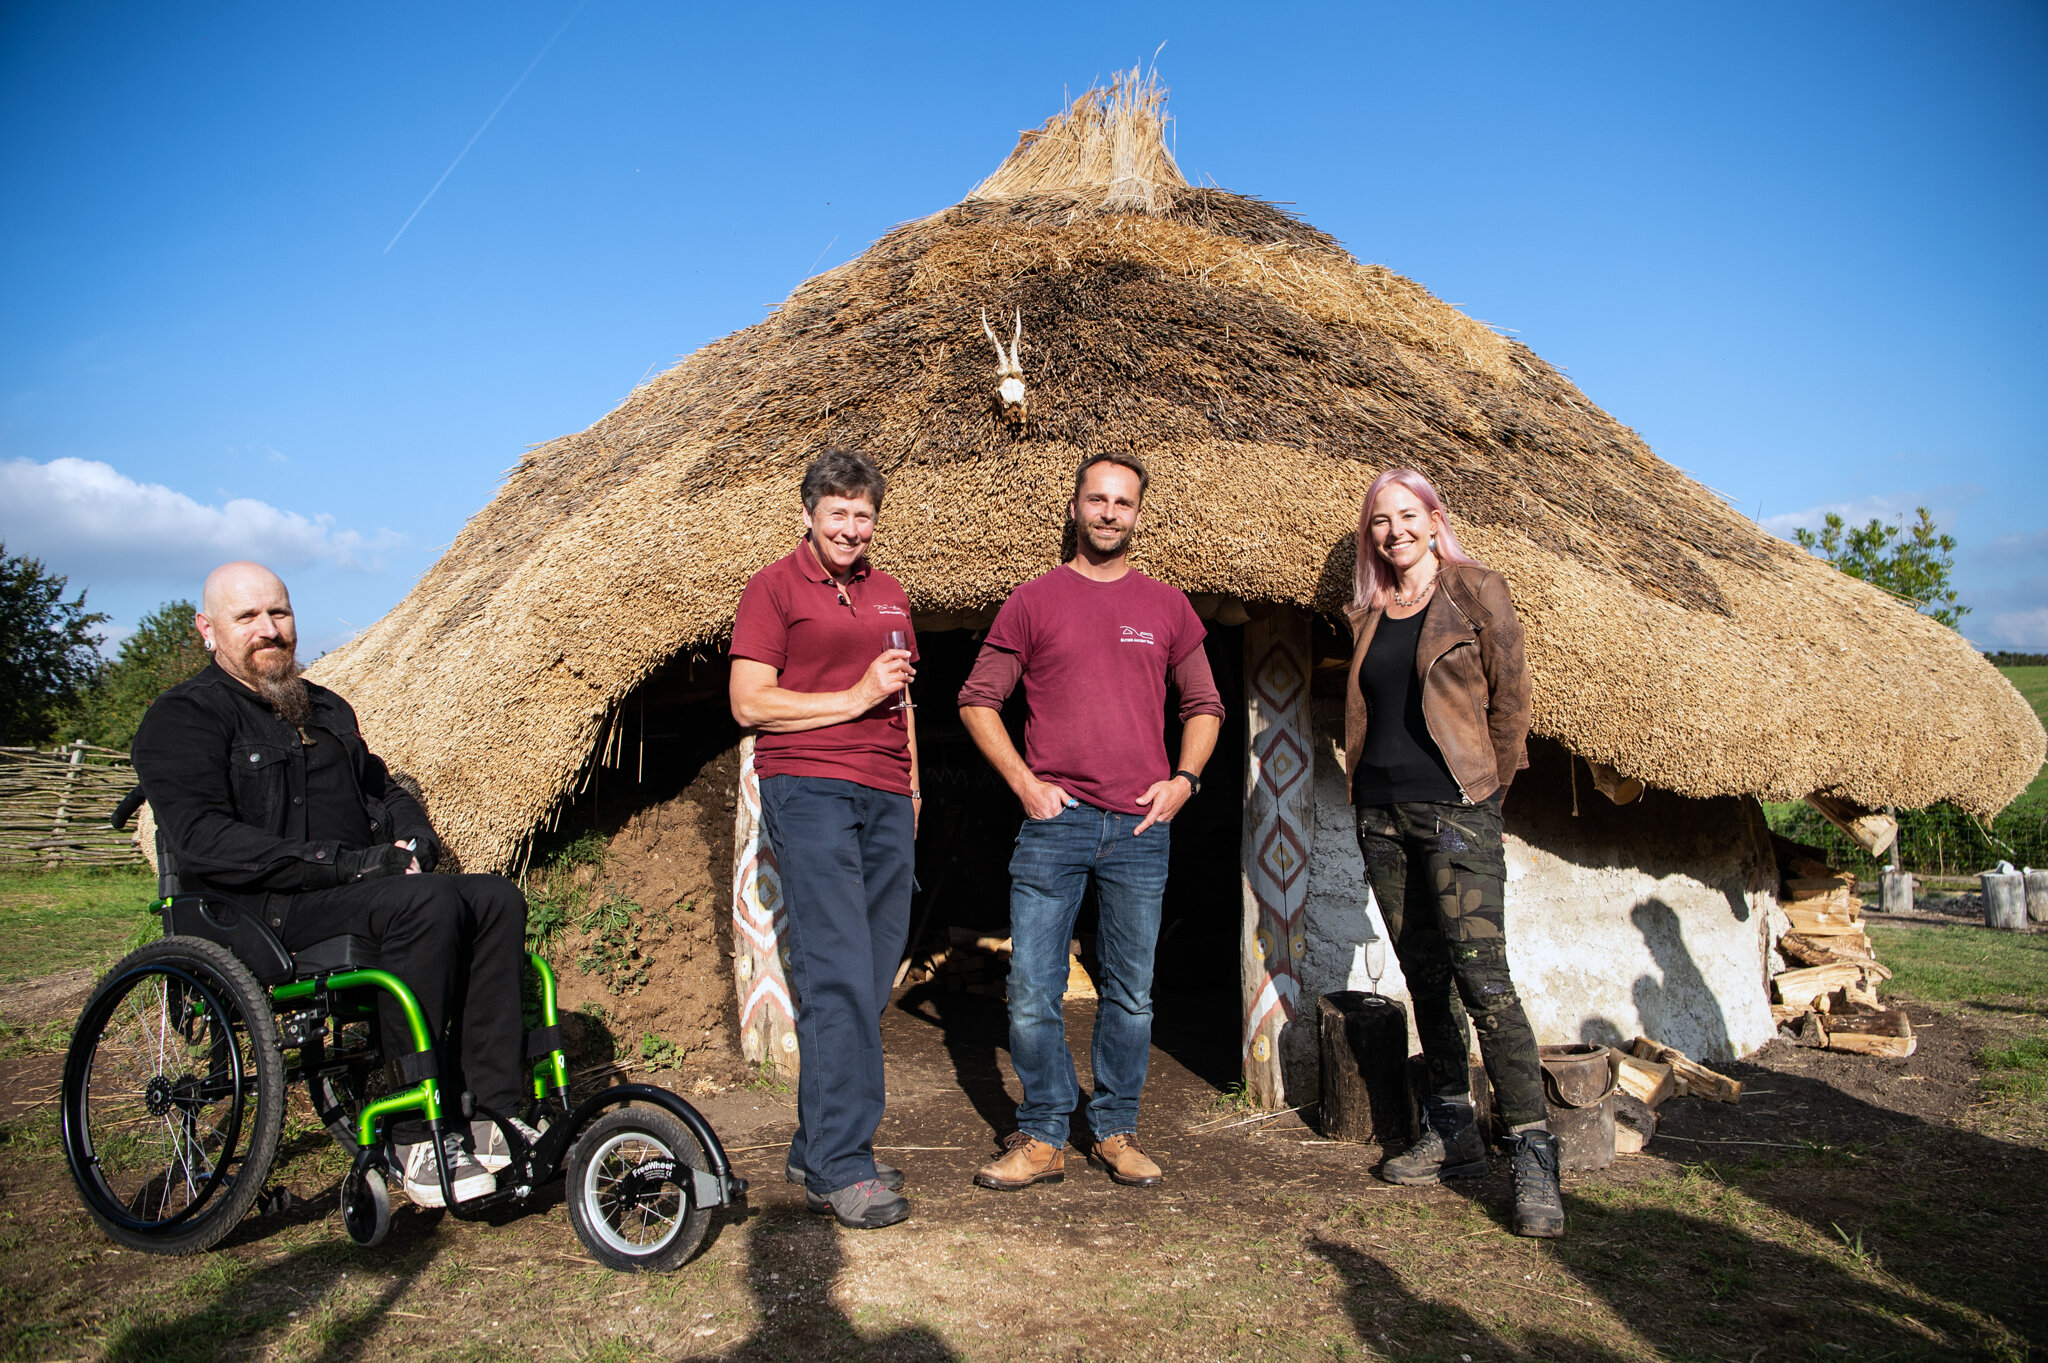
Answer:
(629, 1191)
(365, 1207)
(173, 1097)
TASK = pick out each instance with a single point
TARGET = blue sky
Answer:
(1796, 246)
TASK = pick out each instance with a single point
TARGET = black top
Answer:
(245, 810)
(334, 809)
(1400, 762)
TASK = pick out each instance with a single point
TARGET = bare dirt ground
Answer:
(1848, 1207)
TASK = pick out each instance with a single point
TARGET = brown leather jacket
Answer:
(1475, 685)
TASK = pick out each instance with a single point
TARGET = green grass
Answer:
(1966, 964)
(58, 920)
(2033, 684)
(2018, 1071)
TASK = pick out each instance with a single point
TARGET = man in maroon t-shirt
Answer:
(821, 659)
(1096, 643)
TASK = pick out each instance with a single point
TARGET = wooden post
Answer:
(1279, 813)
(1364, 1089)
(760, 933)
(1897, 891)
(65, 795)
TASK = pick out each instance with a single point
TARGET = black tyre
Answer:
(365, 1207)
(629, 1191)
(173, 1097)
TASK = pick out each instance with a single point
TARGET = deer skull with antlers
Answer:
(1009, 373)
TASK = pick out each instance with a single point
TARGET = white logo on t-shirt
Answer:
(890, 610)
(1138, 636)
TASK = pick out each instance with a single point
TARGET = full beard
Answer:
(286, 692)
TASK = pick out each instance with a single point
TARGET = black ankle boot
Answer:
(1539, 1199)
(1451, 1147)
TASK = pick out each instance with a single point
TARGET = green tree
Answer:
(1909, 561)
(49, 652)
(164, 650)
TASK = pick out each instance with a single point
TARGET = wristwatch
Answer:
(1194, 781)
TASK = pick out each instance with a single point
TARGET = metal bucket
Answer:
(1578, 1091)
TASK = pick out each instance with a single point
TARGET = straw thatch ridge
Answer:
(1266, 377)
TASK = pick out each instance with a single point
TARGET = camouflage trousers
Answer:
(1439, 875)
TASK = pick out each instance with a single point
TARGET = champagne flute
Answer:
(900, 639)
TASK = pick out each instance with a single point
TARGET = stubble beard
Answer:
(1114, 547)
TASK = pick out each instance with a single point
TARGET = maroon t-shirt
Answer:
(1095, 658)
(794, 618)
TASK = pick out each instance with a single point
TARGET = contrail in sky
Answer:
(486, 124)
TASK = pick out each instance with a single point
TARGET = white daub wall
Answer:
(1646, 919)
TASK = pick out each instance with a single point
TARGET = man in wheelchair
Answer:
(267, 800)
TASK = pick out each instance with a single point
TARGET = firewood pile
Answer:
(1646, 1076)
(1827, 997)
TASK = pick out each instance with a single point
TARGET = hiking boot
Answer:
(1025, 1160)
(889, 1175)
(493, 1151)
(1539, 1200)
(866, 1205)
(1125, 1162)
(1451, 1147)
(422, 1181)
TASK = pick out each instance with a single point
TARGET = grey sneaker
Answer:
(422, 1182)
(867, 1205)
(493, 1151)
(891, 1177)
(1451, 1147)
(1539, 1197)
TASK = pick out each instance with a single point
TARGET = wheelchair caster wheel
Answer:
(365, 1207)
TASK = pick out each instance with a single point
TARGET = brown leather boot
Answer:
(1024, 1161)
(1120, 1157)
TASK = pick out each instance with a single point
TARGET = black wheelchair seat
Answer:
(258, 948)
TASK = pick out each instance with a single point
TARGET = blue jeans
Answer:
(845, 854)
(1048, 876)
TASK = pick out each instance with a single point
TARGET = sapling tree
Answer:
(1909, 561)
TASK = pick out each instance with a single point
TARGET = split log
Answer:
(1635, 1122)
(1700, 1081)
(1848, 1001)
(1824, 922)
(1786, 1013)
(1862, 1043)
(1646, 1081)
(1813, 1031)
(1829, 951)
(1811, 983)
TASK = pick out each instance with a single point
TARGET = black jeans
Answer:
(459, 943)
(1439, 874)
(845, 853)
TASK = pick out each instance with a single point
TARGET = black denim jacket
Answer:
(226, 780)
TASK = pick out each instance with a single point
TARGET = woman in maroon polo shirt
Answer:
(822, 655)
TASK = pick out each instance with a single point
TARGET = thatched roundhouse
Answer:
(1266, 376)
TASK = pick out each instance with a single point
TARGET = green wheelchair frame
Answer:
(180, 1048)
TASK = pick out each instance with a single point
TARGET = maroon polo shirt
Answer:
(794, 618)
(1095, 659)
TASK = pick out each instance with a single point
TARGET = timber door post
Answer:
(759, 928)
(1279, 826)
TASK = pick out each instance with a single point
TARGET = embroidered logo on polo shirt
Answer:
(891, 610)
(1138, 636)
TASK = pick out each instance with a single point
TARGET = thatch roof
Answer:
(1266, 376)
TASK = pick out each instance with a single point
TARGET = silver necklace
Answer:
(1420, 592)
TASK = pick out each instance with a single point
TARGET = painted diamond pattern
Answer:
(1279, 678)
(1282, 763)
(1282, 857)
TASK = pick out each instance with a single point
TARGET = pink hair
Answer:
(1373, 574)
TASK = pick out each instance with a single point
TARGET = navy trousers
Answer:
(845, 851)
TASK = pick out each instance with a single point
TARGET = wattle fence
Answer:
(54, 806)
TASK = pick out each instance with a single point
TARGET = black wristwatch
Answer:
(1194, 781)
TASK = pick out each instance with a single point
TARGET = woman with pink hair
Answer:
(1436, 724)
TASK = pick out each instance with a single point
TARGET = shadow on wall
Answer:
(1675, 1006)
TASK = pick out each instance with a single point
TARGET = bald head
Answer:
(245, 616)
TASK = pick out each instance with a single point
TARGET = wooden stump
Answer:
(1365, 1069)
(2005, 900)
(1898, 891)
(2037, 895)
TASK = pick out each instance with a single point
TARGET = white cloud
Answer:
(93, 523)
(1940, 503)
(2021, 631)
